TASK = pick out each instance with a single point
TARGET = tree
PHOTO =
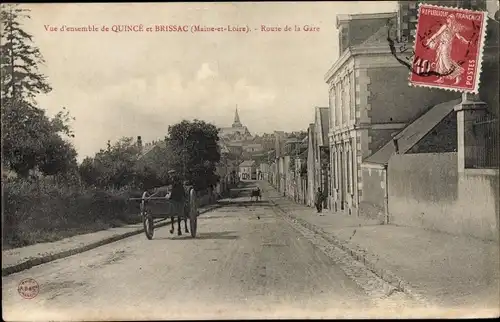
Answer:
(22, 128)
(20, 58)
(159, 160)
(30, 139)
(117, 164)
(196, 151)
(121, 165)
(58, 157)
(88, 172)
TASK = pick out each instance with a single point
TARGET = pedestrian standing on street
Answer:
(319, 200)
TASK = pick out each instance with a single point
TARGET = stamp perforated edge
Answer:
(479, 58)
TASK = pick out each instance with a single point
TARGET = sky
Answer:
(139, 83)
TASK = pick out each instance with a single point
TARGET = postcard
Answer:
(250, 160)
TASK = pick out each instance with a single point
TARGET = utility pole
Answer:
(184, 156)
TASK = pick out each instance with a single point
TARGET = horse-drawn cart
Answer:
(156, 206)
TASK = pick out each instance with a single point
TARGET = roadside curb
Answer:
(55, 256)
(362, 256)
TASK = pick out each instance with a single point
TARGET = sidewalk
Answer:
(447, 271)
(19, 259)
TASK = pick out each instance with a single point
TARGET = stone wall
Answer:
(427, 191)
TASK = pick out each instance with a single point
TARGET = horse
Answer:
(181, 217)
(256, 194)
(184, 214)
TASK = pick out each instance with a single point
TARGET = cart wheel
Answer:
(193, 222)
(149, 228)
(193, 213)
(147, 219)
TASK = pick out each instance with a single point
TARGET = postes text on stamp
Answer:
(28, 288)
(448, 48)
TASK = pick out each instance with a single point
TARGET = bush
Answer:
(42, 211)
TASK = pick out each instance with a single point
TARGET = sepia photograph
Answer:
(250, 160)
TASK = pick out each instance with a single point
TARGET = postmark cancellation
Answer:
(28, 288)
(448, 48)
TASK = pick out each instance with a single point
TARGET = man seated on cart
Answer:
(177, 193)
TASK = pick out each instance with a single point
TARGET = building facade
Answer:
(370, 100)
(263, 173)
(279, 175)
(248, 170)
(318, 170)
(311, 164)
(322, 175)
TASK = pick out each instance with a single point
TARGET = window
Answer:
(332, 171)
(352, 99)
(344, 40)
(339, 103)
(348, 98)
(352, 166)
(337, 166)
(343, 101)
(348, 163)
(332, 105)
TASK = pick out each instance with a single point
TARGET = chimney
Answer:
(139, 143)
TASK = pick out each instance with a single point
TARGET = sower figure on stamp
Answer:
(318, 200)
(442, 42)
(178, 195)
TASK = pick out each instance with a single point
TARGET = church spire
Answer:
(236, 122)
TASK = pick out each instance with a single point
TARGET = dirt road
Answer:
(246, 262)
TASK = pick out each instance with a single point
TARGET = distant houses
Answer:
(248, 170)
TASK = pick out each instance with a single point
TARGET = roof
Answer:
(224, 131)
(234, 144)
(247, 163)
(223, 146)
(342, 18)
(148, 147)
(303, 155)
(324, 123)
(413, 133)
(310, 134)
(300, 152)
(377, 39)
(292, 141)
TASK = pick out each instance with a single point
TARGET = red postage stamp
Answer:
(448, 48)
(28, 288)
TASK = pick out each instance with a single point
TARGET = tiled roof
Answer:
(414, 132)
(247, 163)
(325, 123)
(147, 148)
